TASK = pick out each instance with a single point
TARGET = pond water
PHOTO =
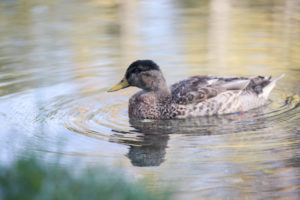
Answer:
(58, 59)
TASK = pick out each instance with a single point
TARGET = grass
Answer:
(32, 179)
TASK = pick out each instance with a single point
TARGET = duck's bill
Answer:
(123, 84)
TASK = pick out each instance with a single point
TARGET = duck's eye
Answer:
(137, 70)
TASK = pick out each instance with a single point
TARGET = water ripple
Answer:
(107, 120)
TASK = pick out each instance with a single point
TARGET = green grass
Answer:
(32, 179)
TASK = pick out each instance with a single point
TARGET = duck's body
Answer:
(195, 96)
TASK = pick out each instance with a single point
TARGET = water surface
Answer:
(58, 58)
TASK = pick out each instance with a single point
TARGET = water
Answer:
(58, 58)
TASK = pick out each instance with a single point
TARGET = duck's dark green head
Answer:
(141, 66)
(144, 74)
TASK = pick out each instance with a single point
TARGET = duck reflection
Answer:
(148, 146)
(151, 148)
(151, 153)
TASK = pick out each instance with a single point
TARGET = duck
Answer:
(196, 96)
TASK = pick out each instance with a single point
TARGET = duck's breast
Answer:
(143, 106)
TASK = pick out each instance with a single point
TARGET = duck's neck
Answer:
(157, 87)
(163, 94)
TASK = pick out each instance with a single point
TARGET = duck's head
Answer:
(144, 74)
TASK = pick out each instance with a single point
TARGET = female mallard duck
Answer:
(195, 96)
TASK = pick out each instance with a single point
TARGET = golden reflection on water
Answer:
(57, 59)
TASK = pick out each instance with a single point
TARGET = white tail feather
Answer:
(236, 85)
(266, 90)
(277, 78)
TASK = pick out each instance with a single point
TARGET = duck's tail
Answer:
(266, 90)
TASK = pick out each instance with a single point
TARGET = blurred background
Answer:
(59, 57)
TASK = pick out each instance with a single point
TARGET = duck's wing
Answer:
(193, 89)
(200, 88)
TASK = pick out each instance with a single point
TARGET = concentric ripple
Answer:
(107, 120)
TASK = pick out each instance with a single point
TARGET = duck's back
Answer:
(210, 95)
